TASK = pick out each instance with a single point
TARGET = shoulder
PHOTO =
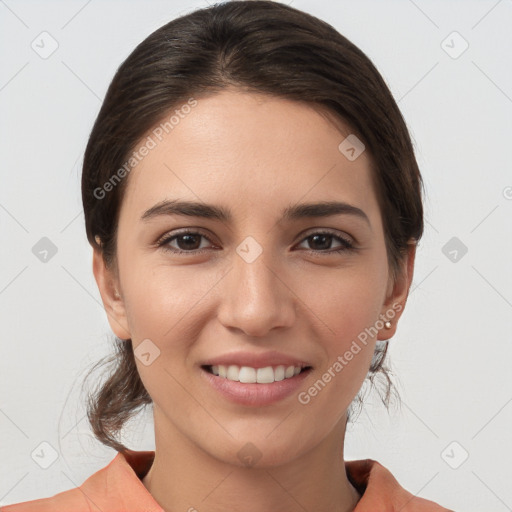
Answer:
(116, 486)
(78, 499)
(380, 490)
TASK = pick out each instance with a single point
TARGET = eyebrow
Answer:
(292, 212)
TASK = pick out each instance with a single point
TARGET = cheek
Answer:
(160, 300)
(350, 342)
(348, 310)
(164, 301)
(347, 299)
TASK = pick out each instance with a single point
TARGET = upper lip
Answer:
(255, 360)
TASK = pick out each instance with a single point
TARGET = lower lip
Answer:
(255, 394)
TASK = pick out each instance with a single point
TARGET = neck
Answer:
(184, 477)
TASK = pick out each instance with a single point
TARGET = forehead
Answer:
(249, 150)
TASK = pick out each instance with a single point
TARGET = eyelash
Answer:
(346, 247)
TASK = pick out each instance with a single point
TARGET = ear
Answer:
(397, 293)
(112, 302)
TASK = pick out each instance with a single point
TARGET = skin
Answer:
(255, 155)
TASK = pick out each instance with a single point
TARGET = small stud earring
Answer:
(387, 325)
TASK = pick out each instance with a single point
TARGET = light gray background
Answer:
(452, 353)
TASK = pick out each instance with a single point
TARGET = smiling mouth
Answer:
(250, 375)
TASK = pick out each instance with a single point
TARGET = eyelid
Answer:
(348, 243)
(300, 237)
(184, 231)
(327, 231)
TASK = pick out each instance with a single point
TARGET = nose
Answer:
(256, 297)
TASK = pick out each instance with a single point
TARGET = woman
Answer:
(254, 204)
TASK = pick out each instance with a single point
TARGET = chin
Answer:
(259, 452)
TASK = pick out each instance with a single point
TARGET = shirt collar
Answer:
(120, 482)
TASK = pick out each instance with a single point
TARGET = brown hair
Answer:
(259, 46)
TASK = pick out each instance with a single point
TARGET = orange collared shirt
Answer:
(118, 487)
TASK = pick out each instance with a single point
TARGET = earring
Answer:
(387, 325)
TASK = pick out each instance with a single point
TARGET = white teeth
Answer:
(233, 373)
(265, 375)
(289, 372)
(248, 375)
(279, 373)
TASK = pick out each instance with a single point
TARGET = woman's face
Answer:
(258, 288)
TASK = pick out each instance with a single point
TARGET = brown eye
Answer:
(185, 242)
(190, 242)
(322, 242)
